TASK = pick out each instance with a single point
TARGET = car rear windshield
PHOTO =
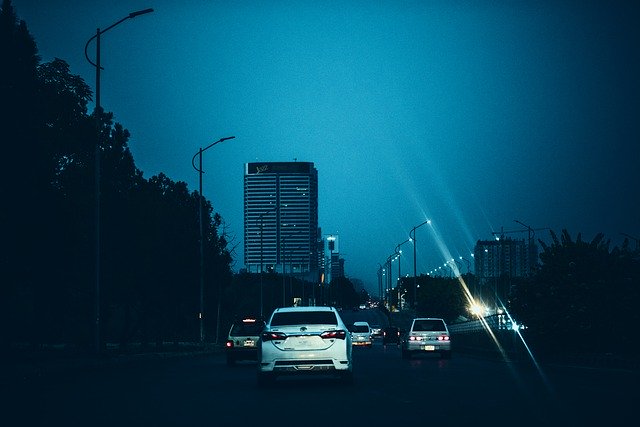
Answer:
(304, 318)
(247, 329)
(429, 325)
(359, 328)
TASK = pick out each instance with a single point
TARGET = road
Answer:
(387, 390)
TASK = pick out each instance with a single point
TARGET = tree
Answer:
(149, 228)
(440, 297)
(581, 291)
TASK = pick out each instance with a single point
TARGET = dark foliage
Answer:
(582, 298)
(438, 297)
(149, 228)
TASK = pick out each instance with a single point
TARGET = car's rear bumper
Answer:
(337, 358)
(240, 353)
(427, 346)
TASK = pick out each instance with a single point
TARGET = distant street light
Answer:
(399, 252)
(415, 274)
(98, 117)
(446, 264)
(388, 262)
(456, 263)
(380, 273)
(200, 172)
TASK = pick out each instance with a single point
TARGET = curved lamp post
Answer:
(399, 252)
(98, 116)
(415, 274)
(261, 219)
(283, 252)
(380, 271)
(200, 172)
(446, 264)
(388, 262)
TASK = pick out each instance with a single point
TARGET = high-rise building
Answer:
(281, 218)
(503, 257)
(334, 264)
(497, 262)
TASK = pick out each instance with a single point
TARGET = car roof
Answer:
(361, 323)
(306, 308)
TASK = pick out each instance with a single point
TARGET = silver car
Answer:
(427, 335)
(304, 340)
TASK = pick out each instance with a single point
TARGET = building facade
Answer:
(281, 218)
(334, 265)
(497, 262)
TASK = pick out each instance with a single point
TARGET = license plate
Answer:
(249, 343)
(428, 347)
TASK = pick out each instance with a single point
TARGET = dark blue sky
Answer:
(470, 113)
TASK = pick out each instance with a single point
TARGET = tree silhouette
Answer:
(581, 292)
(149, 228)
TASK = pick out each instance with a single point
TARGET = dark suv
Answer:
(242, 339)
(391, 335)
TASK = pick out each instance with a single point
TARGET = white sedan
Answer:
(304, 340)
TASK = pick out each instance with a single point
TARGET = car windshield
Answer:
(359, 328)
(246, 329)
(429, 325)
(304, 318)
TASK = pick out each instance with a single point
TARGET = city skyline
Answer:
(478, 117)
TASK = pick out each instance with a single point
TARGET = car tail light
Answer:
(340, 335)
(414, 338)
(229, 344)
(443, 338)
(271, 336)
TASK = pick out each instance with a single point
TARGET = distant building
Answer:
(281, 218)
(498, 261)
(334, 262)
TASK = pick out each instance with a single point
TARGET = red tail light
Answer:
(273, 336)
(443, 338)
(229, 344)
(339, 335)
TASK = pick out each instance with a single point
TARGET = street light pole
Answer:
(415, 274)
(200, 172)
(399, 252)
(98, 119)
(388, 281)
(261, 219)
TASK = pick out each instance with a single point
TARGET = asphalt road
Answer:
(203, 390)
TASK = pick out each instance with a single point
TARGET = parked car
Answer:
(427, 335)
(361, 334)
(243, 339)
(304, 340)
(391, 335)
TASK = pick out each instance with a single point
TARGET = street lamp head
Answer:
(140, 12)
